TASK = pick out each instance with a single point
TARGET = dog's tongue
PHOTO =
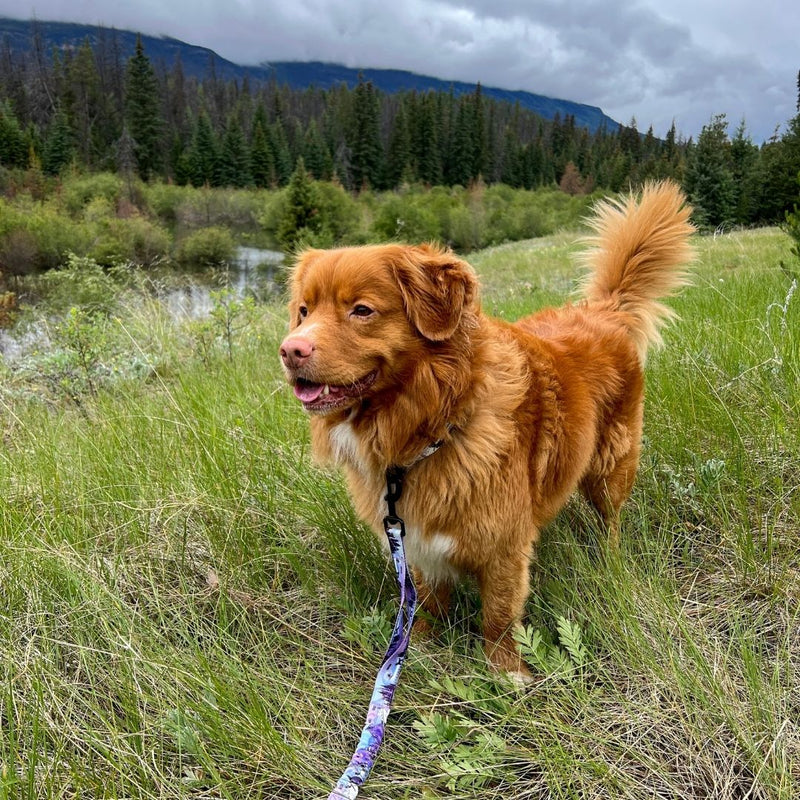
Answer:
(308, 392)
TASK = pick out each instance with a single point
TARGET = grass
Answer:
(189, 609)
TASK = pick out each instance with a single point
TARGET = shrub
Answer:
(77, 192)
(136, 240)
(82, 283)
(404, 217)
(208, 247)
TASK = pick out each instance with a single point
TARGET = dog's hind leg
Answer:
(608, 492)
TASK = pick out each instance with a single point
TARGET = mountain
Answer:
(21, 35)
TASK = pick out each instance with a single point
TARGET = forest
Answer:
(89, 110)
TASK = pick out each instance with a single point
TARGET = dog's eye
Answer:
(362, 311)
(303, 311)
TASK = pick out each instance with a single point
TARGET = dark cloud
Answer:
(634, 58)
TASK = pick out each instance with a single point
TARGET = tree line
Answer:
(90, 109)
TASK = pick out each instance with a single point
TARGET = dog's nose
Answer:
(295, 351)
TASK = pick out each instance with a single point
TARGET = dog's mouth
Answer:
(322, 397)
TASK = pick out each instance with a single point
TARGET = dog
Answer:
(389, 352)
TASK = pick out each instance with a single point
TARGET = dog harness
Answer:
(388, 675)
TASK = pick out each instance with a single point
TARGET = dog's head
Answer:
(361, 317)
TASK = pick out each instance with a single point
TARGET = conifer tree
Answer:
(709, 176)
(316, 156)
(399, 151)
(13, 145)
(300, 219)
(279, 145)
(203, 157)
(364, 141)
(234, 158)
(143, 111)
(58, 146)
(262, 162)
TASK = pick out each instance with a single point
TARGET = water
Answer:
(186, 296)
(254, 272)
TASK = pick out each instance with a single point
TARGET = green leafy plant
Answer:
(566, 659)
(230, 318)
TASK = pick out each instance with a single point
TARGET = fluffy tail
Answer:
(639, 253)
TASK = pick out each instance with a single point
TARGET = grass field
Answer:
(189, 609)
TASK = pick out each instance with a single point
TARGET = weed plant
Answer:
(189, 608)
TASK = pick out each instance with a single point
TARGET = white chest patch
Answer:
(431, 555)
(345, 445)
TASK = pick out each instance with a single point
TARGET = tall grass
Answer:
(189, 608)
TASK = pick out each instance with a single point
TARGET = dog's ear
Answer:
(437, 288)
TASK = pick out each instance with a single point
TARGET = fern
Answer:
(571, 638)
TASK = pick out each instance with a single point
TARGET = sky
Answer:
(683, 60)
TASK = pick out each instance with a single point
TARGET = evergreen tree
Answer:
(364, 141)
(300, 219)
(781, 162)
(462, 150)
(13, 144)
(279, 145)
(316, 155)
(234, 158)
(58, 146)
(398, 154)
(203, 157)
(426, 141)
(82, 102)
(143, 111)
(709, 176)
(262, 162)
(745, 165)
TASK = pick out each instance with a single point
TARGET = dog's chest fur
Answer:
(429, 552)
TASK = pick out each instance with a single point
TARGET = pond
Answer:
(186, 295)
(254, 272)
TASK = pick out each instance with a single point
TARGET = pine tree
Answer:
(316, 156)
(461, 156)
(745, 168)
(13, 145)
(58, 147)
(203, 157)
(709, 176)
(234, 158)
(262, 162)
(399, 151)
(143, 111)
(279, 145)
(300, 218)
(364, 140)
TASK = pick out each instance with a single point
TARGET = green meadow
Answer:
(190, 609)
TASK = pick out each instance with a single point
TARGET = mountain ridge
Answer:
(197, 61)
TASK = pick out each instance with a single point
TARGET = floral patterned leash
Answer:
(380, 704)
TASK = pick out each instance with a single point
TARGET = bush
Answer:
(35, 236)
(405, 218)
(77, 192)
(136, 240)
(82, 283)
(208, 247)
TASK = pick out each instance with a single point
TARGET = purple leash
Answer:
(380, 704)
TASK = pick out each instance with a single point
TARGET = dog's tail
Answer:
(639, 254)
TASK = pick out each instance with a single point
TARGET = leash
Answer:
(380, 703)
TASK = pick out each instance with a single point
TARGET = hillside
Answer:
(20, 36)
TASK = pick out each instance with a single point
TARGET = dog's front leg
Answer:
(434, 600)
(504, 584)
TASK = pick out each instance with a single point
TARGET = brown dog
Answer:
(389, 352)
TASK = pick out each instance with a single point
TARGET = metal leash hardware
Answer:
(388, 675)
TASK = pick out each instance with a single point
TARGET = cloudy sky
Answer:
(653, 61)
